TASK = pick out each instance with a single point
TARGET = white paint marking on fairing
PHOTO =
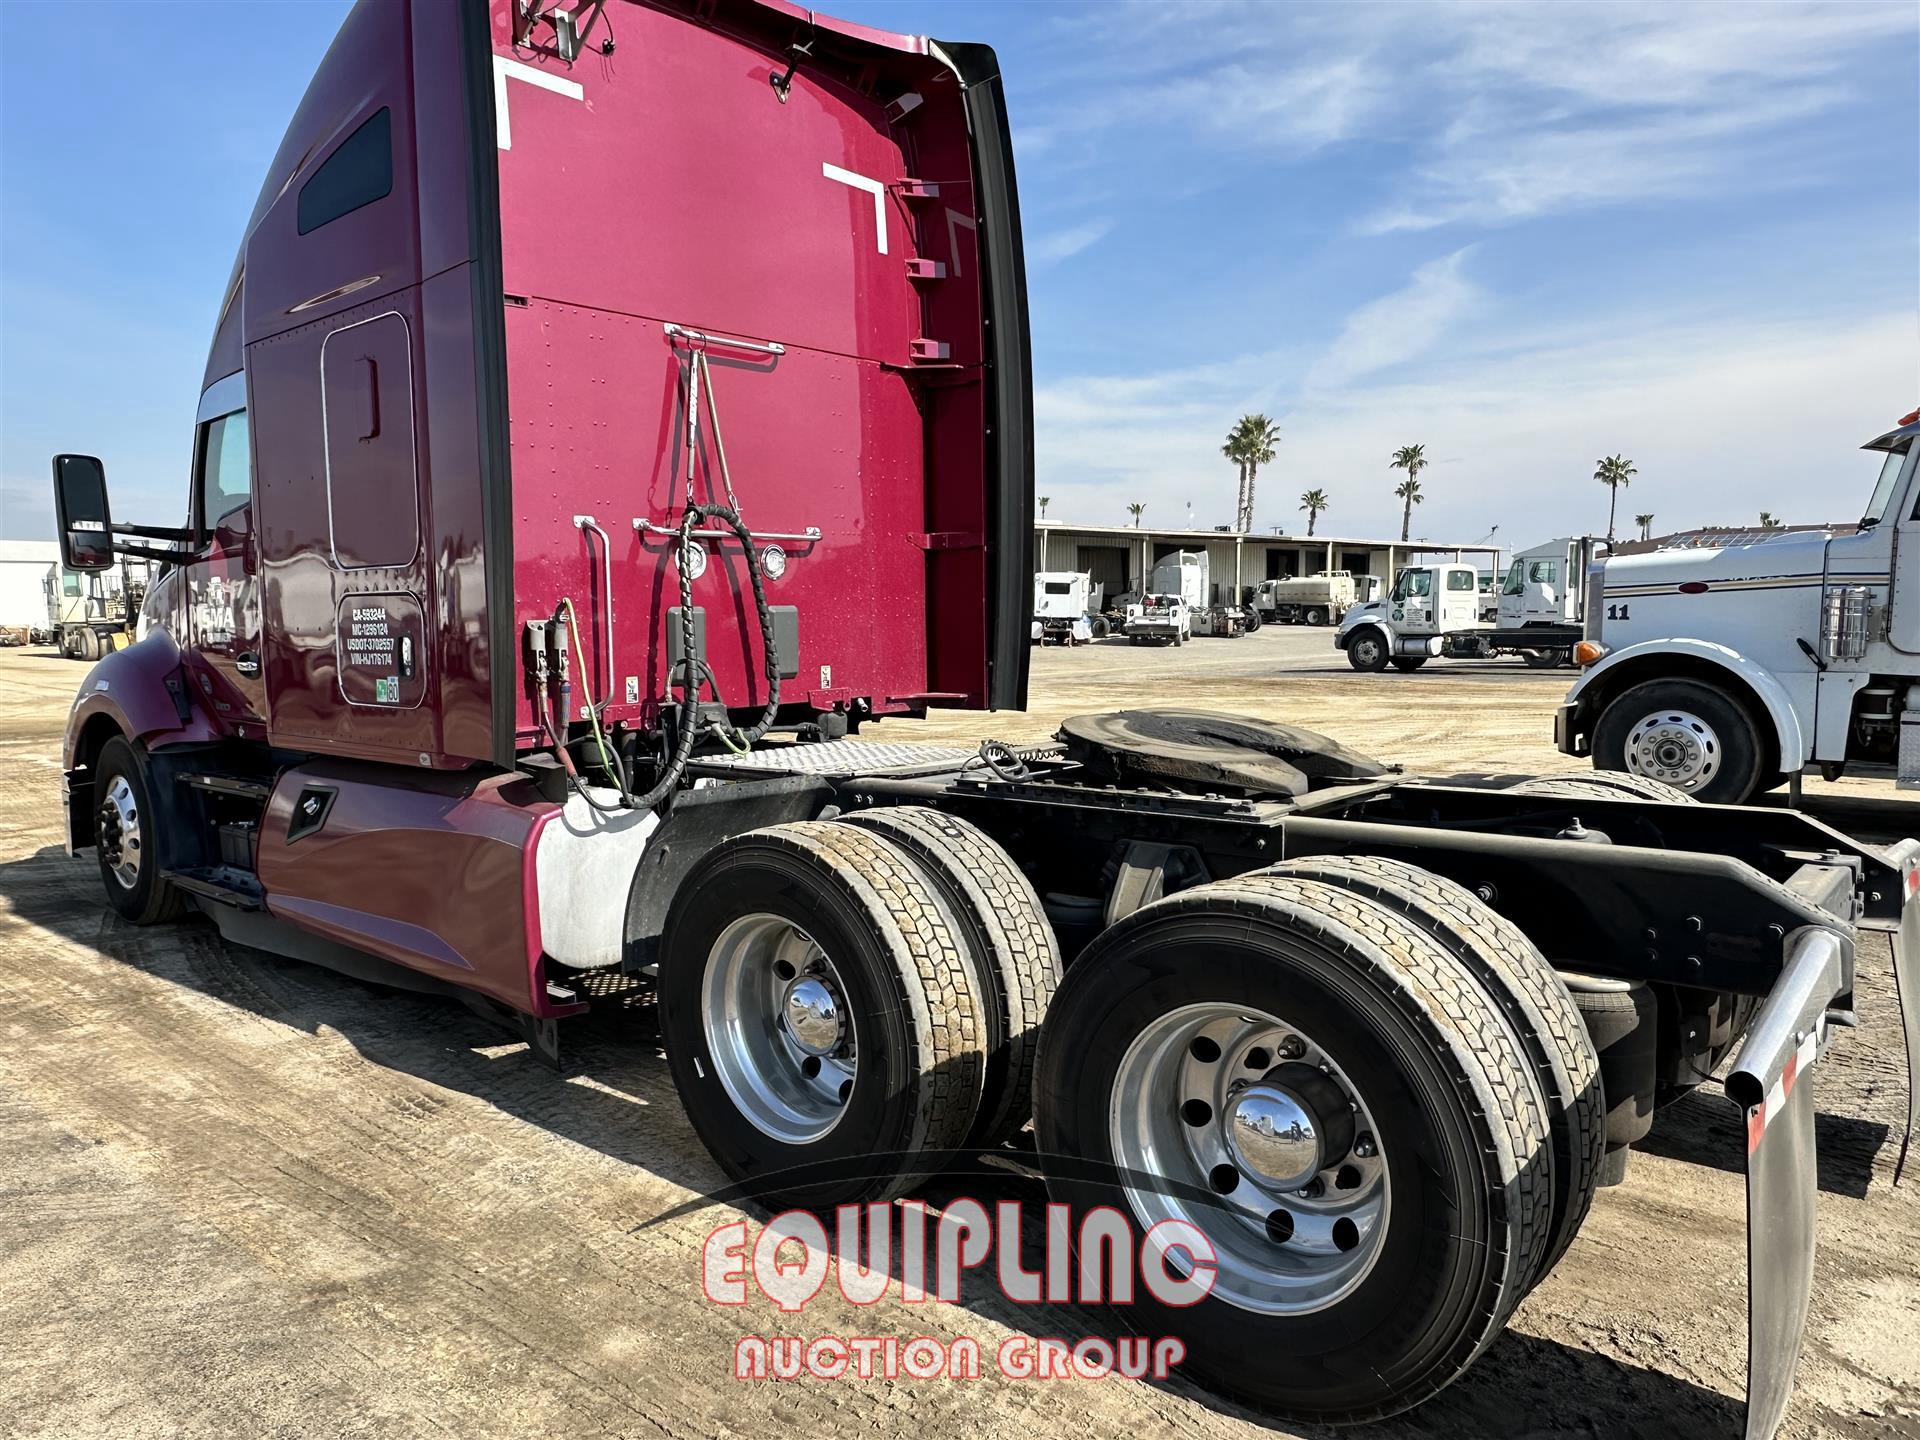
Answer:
(872, 187)
(502, 69)
(955, 222)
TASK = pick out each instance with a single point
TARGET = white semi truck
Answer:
(1306, 599)
(1066, 608)
(1438, 610)
(1726, 670)
(1184, 576)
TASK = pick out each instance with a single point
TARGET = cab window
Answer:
(70, 583)
(1544, 572)
(1414, 585)
(1462, 580)
(226, 468)
(1516, 578)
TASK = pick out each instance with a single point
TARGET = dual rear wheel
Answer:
(1347, 1089)
(1367, 1091)
(847, 1002)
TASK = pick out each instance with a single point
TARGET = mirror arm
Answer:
(144, 552)
(182, 534)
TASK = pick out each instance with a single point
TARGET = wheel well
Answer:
(1643, 668)
(94, 736)
(1347, 638)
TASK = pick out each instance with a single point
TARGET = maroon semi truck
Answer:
(615, 409)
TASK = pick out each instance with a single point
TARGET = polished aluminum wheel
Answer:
(1214, 1098)
(1370, 651)
(118, 828)
(1676, 746)
(778, 1028)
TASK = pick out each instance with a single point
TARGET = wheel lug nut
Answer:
(1292, 1048)
(1364, 1147)
(1313, 1189)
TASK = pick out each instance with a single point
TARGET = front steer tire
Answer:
(1368, 650)
(1436, 1072)
(914, 1023)
(148, 898)
(1735, 771)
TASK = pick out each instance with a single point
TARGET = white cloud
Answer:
(1400, 326)
(1057, 245)
(1499, 111)
(1722, 421)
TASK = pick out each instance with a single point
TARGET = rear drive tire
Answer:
(1541, 659)
(1316, 616)
(1513, 973)
(89, 644)
(1686, 732)
(125, 837)
(820, 1016)
(1441, 1161)
(1367, 651)
(1001, 923)
(1606, 785)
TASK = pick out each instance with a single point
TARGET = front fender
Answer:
(1765, 688)
(143, 692)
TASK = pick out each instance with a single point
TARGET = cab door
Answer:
(222, 586)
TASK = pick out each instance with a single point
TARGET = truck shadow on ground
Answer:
(1524, 1385)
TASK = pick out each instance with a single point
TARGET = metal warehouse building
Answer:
(1120, 556)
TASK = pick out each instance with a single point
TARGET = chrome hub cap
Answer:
(1263, 1143)
(778, 1029)
(1273, 1137)
(119, 832)
(1675, 746)
(813, 1015)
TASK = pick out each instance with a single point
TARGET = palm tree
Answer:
(1136, 510)
(1412, 459)
(1313, 502)
(1044, 501)
(1613, 472)
(1645, 522)
(1256, 436)
(1236, 450)
(1770, 521)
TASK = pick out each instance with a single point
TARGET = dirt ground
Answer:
(243, 1196)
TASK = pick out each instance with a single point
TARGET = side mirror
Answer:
(80, 509)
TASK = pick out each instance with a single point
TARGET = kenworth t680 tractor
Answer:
(616, 409)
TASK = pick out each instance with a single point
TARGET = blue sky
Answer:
(1525, 236)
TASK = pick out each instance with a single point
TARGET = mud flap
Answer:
(1773, 1085)
(1906, 986)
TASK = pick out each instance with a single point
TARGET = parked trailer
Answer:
(439, 691)
(1438, 610)
(1727, 669)
(1307, 599)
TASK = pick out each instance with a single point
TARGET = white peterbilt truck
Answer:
(1727, 670)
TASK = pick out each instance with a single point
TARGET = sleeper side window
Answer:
(359, 172)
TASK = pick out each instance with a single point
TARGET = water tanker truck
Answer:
(593, 443)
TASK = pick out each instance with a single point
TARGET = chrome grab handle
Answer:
(731, 342)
